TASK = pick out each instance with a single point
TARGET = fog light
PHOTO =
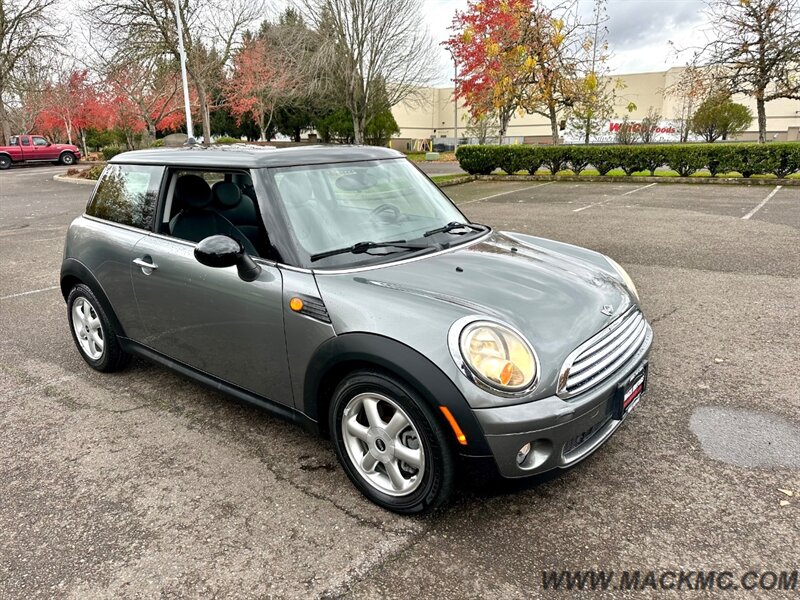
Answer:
(523, 453)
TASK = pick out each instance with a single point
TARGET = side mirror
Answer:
(220, 251)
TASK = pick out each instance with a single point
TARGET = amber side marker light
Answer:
(296, 304)
(462, 439)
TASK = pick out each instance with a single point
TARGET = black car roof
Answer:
(249, 156)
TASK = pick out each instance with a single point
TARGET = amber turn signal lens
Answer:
(462, 439)
(296, 304)
(506, 373)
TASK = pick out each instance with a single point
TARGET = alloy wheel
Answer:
(383, 444)
(88, 329)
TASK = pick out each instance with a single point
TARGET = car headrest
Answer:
(192, 191)
(226, 194)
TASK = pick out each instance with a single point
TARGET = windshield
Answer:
(336, 206)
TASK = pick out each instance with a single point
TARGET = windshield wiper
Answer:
(363, 247)
(455, 225)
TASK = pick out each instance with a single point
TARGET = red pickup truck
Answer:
(35, 148)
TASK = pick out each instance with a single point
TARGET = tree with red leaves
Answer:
(145, 98)
(487, 45)
(516, 55)
(262, 81)
(73, 104)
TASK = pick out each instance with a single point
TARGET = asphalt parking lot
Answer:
(143, 484)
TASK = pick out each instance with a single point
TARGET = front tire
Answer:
(93, 332)
(67, 158)
(5, 162)
(390, 444)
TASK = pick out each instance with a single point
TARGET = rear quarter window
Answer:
(127, 194)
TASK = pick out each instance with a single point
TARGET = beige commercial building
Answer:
(433, 116)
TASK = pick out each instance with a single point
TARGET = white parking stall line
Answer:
(530, 187)
(47, 289)
(762, 203)
(604, 202)
(644, 187)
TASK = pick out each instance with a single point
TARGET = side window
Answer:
(127, 194)
(200, 203)
(39, 141)
(13, 141)
(25, 141)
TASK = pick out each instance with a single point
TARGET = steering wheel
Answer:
(387, 213)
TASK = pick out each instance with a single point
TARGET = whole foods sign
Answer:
(663, 131)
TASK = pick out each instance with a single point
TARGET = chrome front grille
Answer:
(603, 354)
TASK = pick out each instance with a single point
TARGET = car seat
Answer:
(231, 203)
(196, 221)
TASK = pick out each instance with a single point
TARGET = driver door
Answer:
(210, 319)
(44, 149)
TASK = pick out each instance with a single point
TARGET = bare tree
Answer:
(594, 104)
(647, 128)
(483, 128)
(757, 42)
(372, 54)
(693, 87)
(143, 30)
(27, 33)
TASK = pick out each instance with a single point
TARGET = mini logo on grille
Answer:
(607, 310)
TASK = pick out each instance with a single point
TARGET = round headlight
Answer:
(498, 356)
(625, 277)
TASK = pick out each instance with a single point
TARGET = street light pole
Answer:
(455, 101)
(182, 52)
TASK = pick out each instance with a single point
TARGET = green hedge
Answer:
(779, 159)
(110, 152)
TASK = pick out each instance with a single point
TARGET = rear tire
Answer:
(67, 158)
(93, 332)
(5, 162)
(390, 443)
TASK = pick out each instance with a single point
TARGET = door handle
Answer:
(147, 267)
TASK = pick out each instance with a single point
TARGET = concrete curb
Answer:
(67, 179)
(457, 181)
(627, 179)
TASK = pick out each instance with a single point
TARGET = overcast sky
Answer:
(639, 31)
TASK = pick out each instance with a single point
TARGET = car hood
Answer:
(553, 297)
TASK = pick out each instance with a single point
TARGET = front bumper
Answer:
(561, 432)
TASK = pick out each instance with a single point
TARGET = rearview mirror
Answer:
(357, 181)
(221, 251)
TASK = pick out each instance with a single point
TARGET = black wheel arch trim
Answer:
(71, 269)
(395, 357)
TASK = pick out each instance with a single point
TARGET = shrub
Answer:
(780, 159)
(532, 158)
(93, 172)
(749, 159)
(685, 158)
(556, 158)
(479, 160)
(510, 159)
(604, 158)
(110, 152)
(630, 159)
(227, 140)
(783, 159)
(579, 158)
(157, 143)
(653, 157)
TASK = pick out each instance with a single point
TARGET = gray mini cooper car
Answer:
(339, 288)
